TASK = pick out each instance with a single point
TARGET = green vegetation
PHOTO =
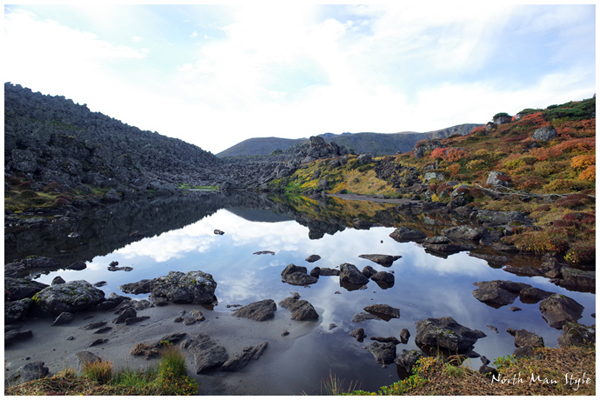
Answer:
(556, 372)
(168, 377)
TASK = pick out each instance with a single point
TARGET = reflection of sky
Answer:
(426, 286)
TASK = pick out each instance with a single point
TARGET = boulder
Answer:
(359, 334)
(559, 309)
(383, 311)
(195, 287)
(389, 339)
(329, 272)
(384, 279)
(532, 295)
(403, 234)
(404, 335)
(208, 355)
(576, 279)
(71, 296)
(462, 232)
(497, 178)
(446, 335)
(316, 272)
(64, 318)
(124, 315)
(28, 372)
(409, 358)
(301, 310)
(16, 310)
(574, 334)
(240, 359)
(86, 357)
(312, 258)
(498, 293)
(20, 288)
(350, 274)
(544, 133)
(257, 311)
(381, 259)
(296, 275)
(364, 159)
(525, 338)
(510, 218)
(384, 353)
(16, 336)
(368, 271)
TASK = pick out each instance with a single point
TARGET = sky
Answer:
(215, 74)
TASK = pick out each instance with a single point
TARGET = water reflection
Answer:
(425, 286)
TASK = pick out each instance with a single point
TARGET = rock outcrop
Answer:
(70, 296)
(195, 287)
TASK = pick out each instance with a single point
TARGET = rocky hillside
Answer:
(50, 139)
(376, 144)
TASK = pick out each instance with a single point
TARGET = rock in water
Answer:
(71, 297)
(301, 310)
(383, 311)
(350, 274)
(381, 259)
(384, 353)
(258, 311)
(446, 335)
(240, 359)
(558, 309)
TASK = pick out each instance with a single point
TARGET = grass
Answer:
(168, 377)
(554, 372)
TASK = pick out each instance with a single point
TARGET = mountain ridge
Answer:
(361, 142)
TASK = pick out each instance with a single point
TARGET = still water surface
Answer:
(426, 286)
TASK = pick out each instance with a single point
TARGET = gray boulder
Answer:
(240, 359)
(498, 293)
(313, 257)
(381, 259)
(71, 296)
(359, 334)
(195, 287)
(446, 335)
(368, 271)
(404, 336)
(64, 318)
(16, 310)
(574, 334)
(544, 133)
(462, 232)
(296, 275)
(384, 353)
(301, 310)
(28, 372)
(403, 234)
(383, 311)
(384, 278)
(258, 311)
(20, 288)
(525, 338)
(208, 355)
(559, 309)
(329, 272)
(409, 358)
(350, 274)
(497, 178)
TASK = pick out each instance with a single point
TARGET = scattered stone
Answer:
(58, 281)
(126, 269)
(404, 336)
(208, 355)
(295, 295)
(71, 338)
(98, 342)
(332, 326)
(128, 312)
(94, 325)
(100, 284)
(146, 350)
(350, 274)
(285, 333)
(113, 263)
(492, 328)
(329, 272)
(312, 258)
(574, 334)
(525, 338)
(383, 311)
(363, 316)
(389, 339)
(384, 353)
(384, 277)
(446, 335)
(134, 320)
(404, 234)
(359, 334)
(301, 310)
(257, 311)
(241, 359)
(103, 330)
(368, 271)
(498, 293)
(219, 232)
(296, 275)
(13, 336)
(86, 357)
(558, 309)
(272, 253)
(28, 372)
(408, 358)
(381, 259)
(514, 308)
(532, 295)
(316, 271)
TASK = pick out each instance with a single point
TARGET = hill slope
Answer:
(363, 142)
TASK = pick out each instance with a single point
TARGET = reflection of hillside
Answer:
(258, 215)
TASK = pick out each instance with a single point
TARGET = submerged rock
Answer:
(383, 311)
(301, 310)
(208, 355)
(384, 353)
(240, 359)
(258, 311)
(296, 275)
(404, 234)
(409, 358)
(525, 338)
(359, 334)
(381, 259)
(350, 274)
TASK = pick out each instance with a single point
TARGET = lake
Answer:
(155, 238)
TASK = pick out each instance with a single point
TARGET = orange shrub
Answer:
(583, 161)
(589, 174)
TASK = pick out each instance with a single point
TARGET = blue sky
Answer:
(214, 75)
